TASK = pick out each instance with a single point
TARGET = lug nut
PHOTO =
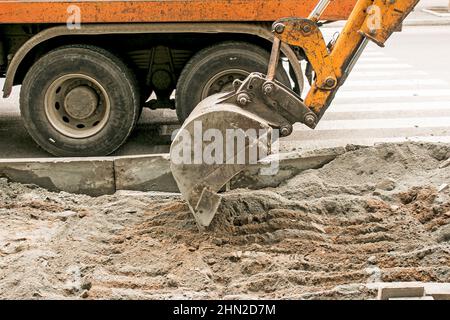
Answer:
(310, 120)
(268, 88)
(285, 131)
(237, 84)
(243, 99)
(306, 28)
(279, 28)
(330, 82)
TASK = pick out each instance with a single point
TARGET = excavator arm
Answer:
(228, 132)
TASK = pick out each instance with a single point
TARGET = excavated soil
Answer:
(373, 214)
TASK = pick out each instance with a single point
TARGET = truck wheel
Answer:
(213, 70)
(79, 101)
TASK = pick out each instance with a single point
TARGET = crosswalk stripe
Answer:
(395, 82)
(445, 139)
(379, 124)
(383, 100)
(308, 134)
(373, 54)
(376, 59)
(385, 66)
(389, 106)
(327, 143)
(386, 73)
(391, 114)
(393, 93)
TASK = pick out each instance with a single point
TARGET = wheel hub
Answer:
(223, 82)
(81, 102)
(77, 106)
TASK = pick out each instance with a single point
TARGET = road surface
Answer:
(398, 93)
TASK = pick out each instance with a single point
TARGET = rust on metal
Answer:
(274, 59)
(392, 13)
(106, 11)
(352, 37)
(304, 33)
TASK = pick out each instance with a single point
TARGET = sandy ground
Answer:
(373, 214)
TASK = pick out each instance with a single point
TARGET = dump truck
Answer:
(228, 132)
(88, 68)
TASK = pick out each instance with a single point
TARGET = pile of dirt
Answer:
(373, 214)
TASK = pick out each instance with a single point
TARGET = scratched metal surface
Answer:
(107, 11)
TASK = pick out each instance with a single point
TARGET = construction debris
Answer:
(326, 233)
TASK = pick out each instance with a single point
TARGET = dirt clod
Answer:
(444, 234)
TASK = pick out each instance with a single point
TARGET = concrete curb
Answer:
(144, 173)
(427, 23)
(290, 165)
(93, 176)
(106, 175)
(411, 290)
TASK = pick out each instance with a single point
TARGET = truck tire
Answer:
(79, 101)
(213, 70)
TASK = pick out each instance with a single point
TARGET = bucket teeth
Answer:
(206, 207)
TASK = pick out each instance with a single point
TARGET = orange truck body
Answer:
(106, 11)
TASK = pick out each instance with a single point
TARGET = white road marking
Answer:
(445, 139)
(385, 66)
(393, 93)
(365, 110)
(389, 106)
(379, 124)
(373, 54)
(327, 143)
(386, 73)
(376, 59)
(394, 82)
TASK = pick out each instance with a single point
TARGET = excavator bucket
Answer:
(216, 142)
(228, 132)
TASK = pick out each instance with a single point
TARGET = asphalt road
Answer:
(16, 143)
(398, 93)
